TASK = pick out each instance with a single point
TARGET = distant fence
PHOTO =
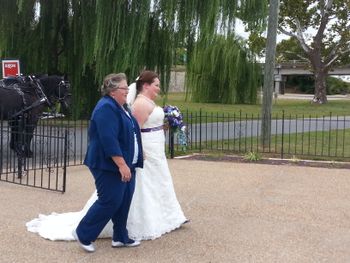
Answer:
(58, 143)
(319, 137)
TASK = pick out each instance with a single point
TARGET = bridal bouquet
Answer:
(174, 119)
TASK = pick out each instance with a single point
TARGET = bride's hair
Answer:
(146, 76)
(111, 82)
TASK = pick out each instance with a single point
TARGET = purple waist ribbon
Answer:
(158, 128)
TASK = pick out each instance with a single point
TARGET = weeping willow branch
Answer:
(89, 39)
(222, 72)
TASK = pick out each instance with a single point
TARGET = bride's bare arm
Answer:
(141, 109)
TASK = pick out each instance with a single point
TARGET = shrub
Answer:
(252, 156)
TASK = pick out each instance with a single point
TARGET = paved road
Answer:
(252, 128)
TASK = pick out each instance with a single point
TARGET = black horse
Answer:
(22, 102)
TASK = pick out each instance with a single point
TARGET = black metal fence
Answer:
(58, 143)
(34, 156)
(299, 136)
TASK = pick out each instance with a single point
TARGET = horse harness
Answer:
(37, 88)
(66, 94)
(16, 88)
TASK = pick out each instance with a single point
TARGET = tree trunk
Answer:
(320, 96)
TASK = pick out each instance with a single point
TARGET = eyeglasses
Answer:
(123, 88)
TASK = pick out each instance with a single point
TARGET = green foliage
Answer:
(288, 50)
(303, 84)
(306, 84)
(89, 39)
(180, 56)
(337, 86)
(248, 12)
(252, 156)
(257, 43)
(222, 71)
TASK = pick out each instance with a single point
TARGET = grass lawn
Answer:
(320, 145)
(290, 107)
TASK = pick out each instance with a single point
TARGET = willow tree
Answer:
(91, 38)
(221, 69)
(39, 43)
(223, 72)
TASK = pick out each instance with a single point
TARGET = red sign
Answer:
(10, 68)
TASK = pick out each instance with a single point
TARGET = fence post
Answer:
(282, 140)
(171, 143)
(20, 147)
(329, 134)
(200, 130)
(65, 159)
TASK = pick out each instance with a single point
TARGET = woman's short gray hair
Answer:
(111, 82)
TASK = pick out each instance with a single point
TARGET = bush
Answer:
(306, 84)
(252, 156)
(337, 86)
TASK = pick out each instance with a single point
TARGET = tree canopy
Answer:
(89, 39)
(289, 49)
(322, 29)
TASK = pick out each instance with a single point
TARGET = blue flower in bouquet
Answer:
(174, 119)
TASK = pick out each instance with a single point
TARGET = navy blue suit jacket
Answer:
(111, 133)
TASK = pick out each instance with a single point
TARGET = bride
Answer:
(154, 209)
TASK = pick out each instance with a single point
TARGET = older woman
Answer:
(113, 153)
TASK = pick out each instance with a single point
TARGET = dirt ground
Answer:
(239, 212)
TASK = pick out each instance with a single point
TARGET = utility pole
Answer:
(269, 73)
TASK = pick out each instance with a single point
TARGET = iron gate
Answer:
(44, 166)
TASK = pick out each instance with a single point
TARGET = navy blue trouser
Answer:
(113, 203)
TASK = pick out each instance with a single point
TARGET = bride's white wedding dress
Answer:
(154, 210)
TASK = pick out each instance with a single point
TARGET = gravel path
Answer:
(239, 212)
